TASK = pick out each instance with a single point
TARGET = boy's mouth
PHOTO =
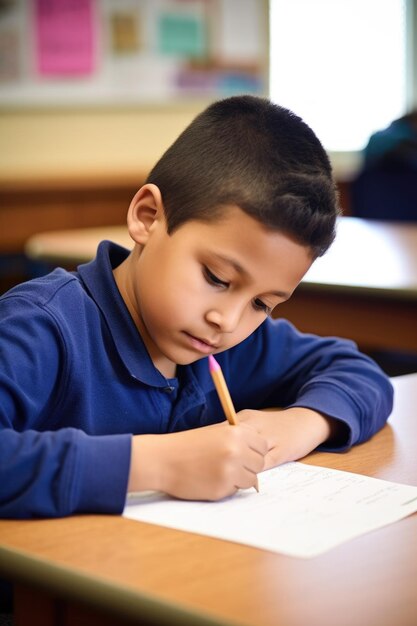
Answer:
(202, 345)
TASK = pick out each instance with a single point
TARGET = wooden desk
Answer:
(364, 288)
(110, 570)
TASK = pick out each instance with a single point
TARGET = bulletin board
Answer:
(110, 52)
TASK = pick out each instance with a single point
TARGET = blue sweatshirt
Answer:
(76, 382)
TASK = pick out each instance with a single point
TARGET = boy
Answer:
(104, 380)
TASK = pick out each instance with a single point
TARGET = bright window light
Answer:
(340, 65)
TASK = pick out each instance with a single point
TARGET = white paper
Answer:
(301, 510)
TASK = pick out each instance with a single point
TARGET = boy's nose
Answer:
(226, 320)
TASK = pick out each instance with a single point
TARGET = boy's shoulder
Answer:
(44, 290)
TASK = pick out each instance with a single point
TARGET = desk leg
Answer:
(33, 607)
(78, 615)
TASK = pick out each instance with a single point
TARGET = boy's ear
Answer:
(144, 211)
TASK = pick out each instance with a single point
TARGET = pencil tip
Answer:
(213, 365)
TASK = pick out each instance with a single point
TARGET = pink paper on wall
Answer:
(64, 32)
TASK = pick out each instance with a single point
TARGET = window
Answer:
(341, 65)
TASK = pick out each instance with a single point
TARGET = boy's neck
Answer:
(166, 367)
(168, 370)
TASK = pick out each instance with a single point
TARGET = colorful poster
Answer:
(126, 37)
(182, 34)
(64, 31)
(10, 67)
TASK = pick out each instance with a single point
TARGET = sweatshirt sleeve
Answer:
(45, 470)
(58, 473)
(279, 366)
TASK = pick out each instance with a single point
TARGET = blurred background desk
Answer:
(69, 248)
(106, 570)
(364, 288)
(56, 203)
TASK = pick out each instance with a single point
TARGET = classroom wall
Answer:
(78, 164)
(83, 119)
(111, 100)
(80, 167)
(72, 169)
(51, 144)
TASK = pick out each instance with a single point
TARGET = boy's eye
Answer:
(213, 279)
(258, 305)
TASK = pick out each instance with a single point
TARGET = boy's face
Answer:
(208, 286)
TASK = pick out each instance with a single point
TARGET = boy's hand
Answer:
(206, 463)
(291, 433)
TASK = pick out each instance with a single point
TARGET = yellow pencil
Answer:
(224, 395)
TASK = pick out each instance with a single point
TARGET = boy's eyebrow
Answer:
(241, 270)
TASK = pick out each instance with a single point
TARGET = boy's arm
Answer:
(59, 471)
(206, 463)
(281, 367)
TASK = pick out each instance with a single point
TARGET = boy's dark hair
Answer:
(249, 152)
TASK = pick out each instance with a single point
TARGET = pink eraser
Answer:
(213, 365)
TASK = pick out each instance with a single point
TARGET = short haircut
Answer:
(252, 153)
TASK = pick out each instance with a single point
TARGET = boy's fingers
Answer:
(255, 463)
(248, 478)
(254, 458)
(255, 441)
